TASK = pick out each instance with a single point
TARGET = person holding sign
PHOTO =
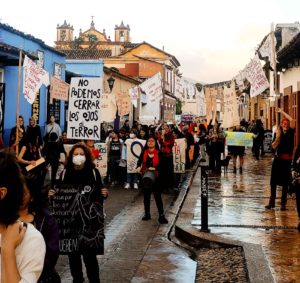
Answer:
(237, 151)
(85, 204)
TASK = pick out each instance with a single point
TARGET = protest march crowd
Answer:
(52, 189)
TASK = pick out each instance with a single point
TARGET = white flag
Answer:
(134, 94)
(153, 88)
(267, 50)
(33, 78)
(256, 76)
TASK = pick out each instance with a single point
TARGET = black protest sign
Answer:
(84, 108)
(78, 210)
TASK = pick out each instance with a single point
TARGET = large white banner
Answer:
(84, 108)
(256, 76)
(179, 155)
(231, 116)
(108, 107)
(33, 78)
(134, 148)
(101, 161)
(179, 87)
(153, 88)
(200, 100)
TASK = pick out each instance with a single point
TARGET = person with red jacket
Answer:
(148, 165)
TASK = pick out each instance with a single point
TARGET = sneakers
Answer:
(135, 186)
(162, 220)
(127, 186)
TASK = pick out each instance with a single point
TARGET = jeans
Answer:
(132, 178)
(91, 264)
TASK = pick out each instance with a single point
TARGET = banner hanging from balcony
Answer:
(33, 78)
(255, 75)
(231, 116)
(134, 95)
(153, 88)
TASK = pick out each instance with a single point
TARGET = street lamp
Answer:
(111, 82)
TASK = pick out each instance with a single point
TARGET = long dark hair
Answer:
(12, 179)
(89, 163)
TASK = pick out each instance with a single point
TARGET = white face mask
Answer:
(78, 159)
(132, 136)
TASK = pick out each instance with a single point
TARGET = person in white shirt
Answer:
(52, 127)
(22, 246)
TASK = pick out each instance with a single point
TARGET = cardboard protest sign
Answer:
(134, 148)
(59, 89)
(101, 162)
(84, 108)
(231, 115)
(239, 139)
(79, 217)
(179, 155)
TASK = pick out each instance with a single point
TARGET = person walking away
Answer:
(281, 165)
(237, 151)
(216, 138)
(258, 140)
(80, 170)
(22, 246)
(149, 162)
(296, 181)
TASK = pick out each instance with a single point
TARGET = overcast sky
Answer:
(211, 39)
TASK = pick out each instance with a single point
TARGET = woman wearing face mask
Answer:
(80, 171)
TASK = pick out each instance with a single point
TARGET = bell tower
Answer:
(64, 32)
(122, 33)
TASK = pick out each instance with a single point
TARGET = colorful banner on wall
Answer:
(239, 139)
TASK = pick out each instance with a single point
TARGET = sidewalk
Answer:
(237, 217)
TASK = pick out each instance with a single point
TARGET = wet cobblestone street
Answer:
(237, 211)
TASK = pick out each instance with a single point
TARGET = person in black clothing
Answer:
(149, 163)
(258, 139)
(34, 131)
(296, 180)
(281, 166)
(114, 149)
(52, 150)
(80, 171)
